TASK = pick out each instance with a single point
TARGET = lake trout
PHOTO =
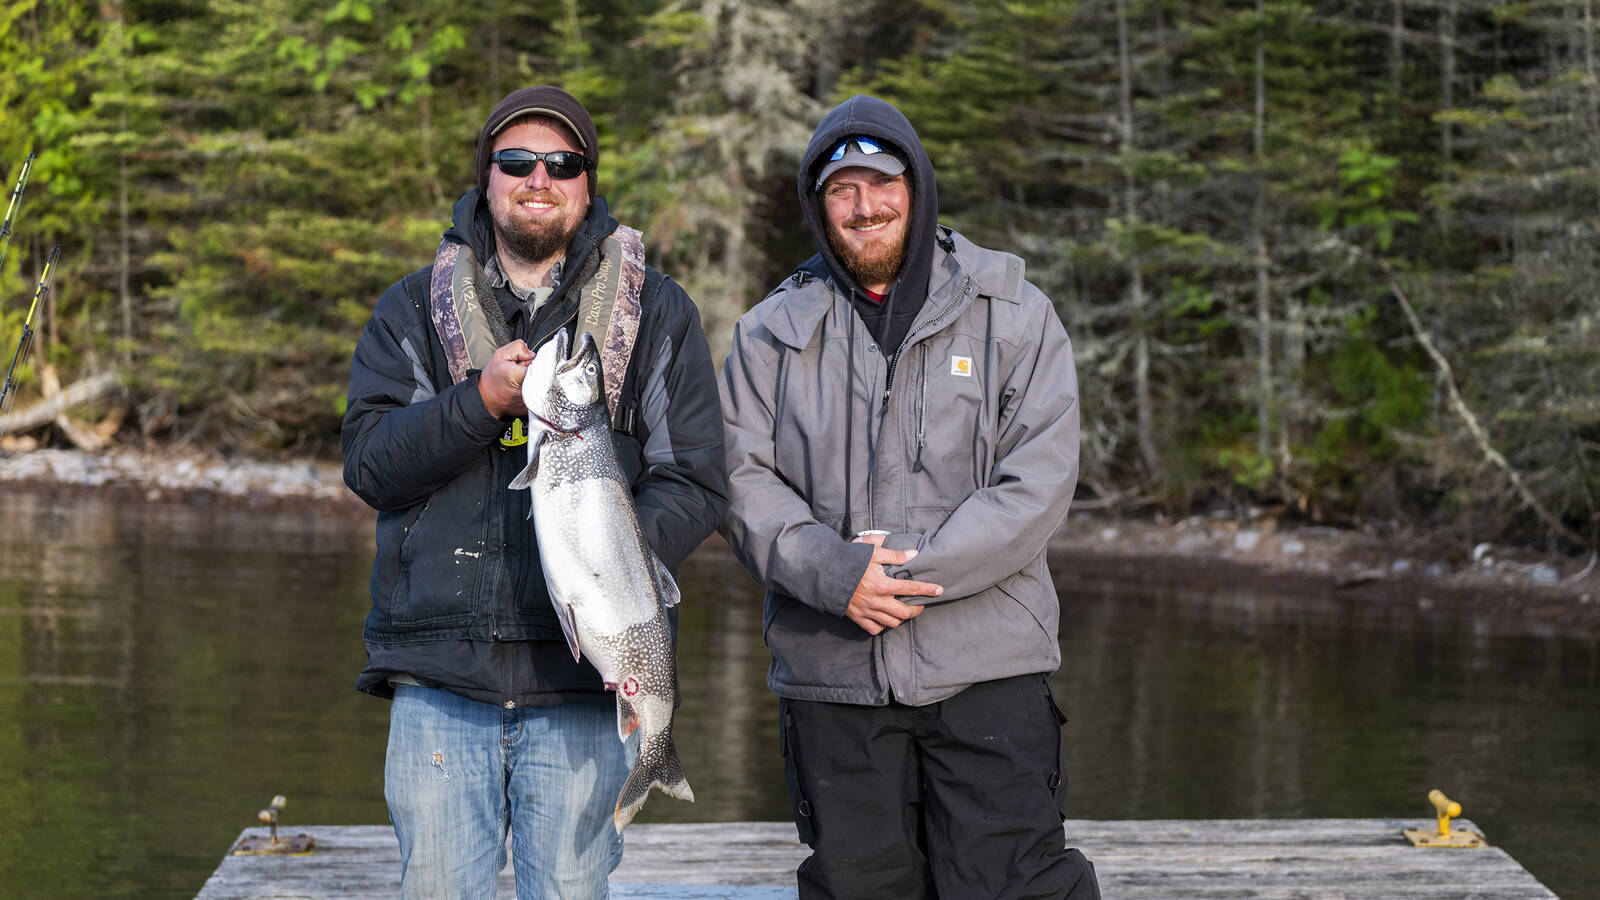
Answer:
(609, 590)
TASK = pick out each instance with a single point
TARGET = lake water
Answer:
(165, 670)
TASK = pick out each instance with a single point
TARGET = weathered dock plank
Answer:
(1266, 859)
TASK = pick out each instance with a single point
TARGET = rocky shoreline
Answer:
(1391, 566)
(185, 476)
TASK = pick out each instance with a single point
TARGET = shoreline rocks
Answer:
(179, 475)
(1392, 567)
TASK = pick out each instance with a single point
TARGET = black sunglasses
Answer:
(560, 164)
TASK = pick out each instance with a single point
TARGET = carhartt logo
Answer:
(961, 365)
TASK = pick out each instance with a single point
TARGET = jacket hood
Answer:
(875, 118)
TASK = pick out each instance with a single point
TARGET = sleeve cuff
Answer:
(839, 579)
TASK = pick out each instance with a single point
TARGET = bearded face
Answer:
(535, 239)
(536, 217)
(868, 216)
(875, 263)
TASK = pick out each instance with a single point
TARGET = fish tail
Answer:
(658, 767)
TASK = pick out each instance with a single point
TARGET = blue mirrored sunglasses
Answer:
(866, 145)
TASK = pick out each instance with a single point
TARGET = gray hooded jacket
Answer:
(962, 442)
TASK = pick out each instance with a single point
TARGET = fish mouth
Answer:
(570, 432)
(581, 354)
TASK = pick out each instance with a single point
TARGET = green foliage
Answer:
(1248, 468)
(1366, 191)
(1377, 398)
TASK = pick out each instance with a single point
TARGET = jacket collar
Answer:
(795, 320)
(994, 273)
(808, 299)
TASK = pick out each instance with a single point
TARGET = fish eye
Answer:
(590, 368)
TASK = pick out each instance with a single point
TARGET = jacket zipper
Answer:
(888, 389)
(888, 383)
(922, 407)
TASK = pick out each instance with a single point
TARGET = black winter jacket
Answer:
(456, 552)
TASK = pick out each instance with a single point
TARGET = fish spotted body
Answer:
(609, 590)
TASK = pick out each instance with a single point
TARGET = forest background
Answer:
(1335, 258)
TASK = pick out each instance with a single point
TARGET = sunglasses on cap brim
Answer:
(560, 164)
(867, 146)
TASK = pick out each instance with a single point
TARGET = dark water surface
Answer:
(164, 670)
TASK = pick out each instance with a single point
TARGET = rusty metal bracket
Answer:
(256, 845)
(1444, 835)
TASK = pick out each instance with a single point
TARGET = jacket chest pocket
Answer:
(951, 425)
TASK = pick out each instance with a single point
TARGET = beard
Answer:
(874, 265)
(535, 241)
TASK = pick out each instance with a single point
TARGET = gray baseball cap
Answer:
(859, 150)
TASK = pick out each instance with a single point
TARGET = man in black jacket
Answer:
(493, 724)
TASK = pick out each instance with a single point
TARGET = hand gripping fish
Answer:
(609, 589)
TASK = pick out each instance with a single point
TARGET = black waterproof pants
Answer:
(958, 800)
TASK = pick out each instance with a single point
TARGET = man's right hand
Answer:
(500, 383)
(875, 604)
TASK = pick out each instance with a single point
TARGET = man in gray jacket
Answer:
(902, 440)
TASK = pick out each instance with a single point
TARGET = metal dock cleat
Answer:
(1443, 836)
(257, 845)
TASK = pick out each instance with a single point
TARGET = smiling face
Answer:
(868, 216)
(535, 217)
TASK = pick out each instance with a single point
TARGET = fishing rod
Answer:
(27, 326)
(11, 210)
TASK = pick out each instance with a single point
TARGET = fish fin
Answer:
(658, 767)
(670, 595)
(525, 478)
(627, 718)
(568, 627)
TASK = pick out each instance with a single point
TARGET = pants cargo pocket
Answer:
(789, 746)
(1058, 778)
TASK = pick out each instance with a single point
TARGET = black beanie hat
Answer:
(544, 100)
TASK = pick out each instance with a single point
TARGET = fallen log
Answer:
(47, 410)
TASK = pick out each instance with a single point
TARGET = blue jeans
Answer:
(459, 773)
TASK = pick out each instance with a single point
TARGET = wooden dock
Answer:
(1265, 859)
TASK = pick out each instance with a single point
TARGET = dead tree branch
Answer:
(1495, 457)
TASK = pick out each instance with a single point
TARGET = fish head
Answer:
(577, 379)
(539, 380)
